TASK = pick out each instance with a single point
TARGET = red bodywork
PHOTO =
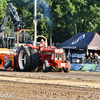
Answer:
(5, 56)
(54, 58)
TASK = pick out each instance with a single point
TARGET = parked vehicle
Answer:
(7, 43)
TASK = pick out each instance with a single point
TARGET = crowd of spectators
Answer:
(91, 58)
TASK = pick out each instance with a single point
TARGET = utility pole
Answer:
(40, 16)
(35, 21)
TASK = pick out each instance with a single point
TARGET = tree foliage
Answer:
(62, 18)
(3, 5)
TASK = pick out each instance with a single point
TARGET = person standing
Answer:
(99, 58)
(69, 56)
(87, 57)
(91, 57)
(96, 58)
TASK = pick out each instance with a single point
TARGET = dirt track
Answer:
(49, 86)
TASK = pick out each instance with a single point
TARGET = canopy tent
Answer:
(89, 40)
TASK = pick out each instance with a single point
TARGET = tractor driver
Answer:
(42, 44)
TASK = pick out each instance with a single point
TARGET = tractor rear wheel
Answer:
(67, 69)
(34, 60)
(24, 59)
(45, 66)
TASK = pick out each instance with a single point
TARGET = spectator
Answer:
(91, 57)
(87, 58)
(96, 58)
(53, 46)
(69, 56)
(99, 58)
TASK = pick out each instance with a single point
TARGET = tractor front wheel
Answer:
(67, 69)
(45, 66)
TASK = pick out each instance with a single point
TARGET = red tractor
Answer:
(31, 58)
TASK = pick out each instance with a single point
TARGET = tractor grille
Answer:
(58, 56)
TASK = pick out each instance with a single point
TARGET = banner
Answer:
(89, 67)
(98, 67)
(76, 56)
(76, 67)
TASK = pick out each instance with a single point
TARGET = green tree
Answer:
(60, 16)
(25, 10)
(85, 14)
(63, 26)
(3, 7)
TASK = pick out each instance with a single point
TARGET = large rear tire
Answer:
(24, 59)
(34, 60)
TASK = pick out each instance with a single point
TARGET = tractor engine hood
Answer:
(6, 51)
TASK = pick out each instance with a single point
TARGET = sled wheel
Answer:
(60, 69)
(8, 64)
(34, 60)
(67, 69)
(24, 59)
(57, 69)
(53, 68)
(45, 66)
